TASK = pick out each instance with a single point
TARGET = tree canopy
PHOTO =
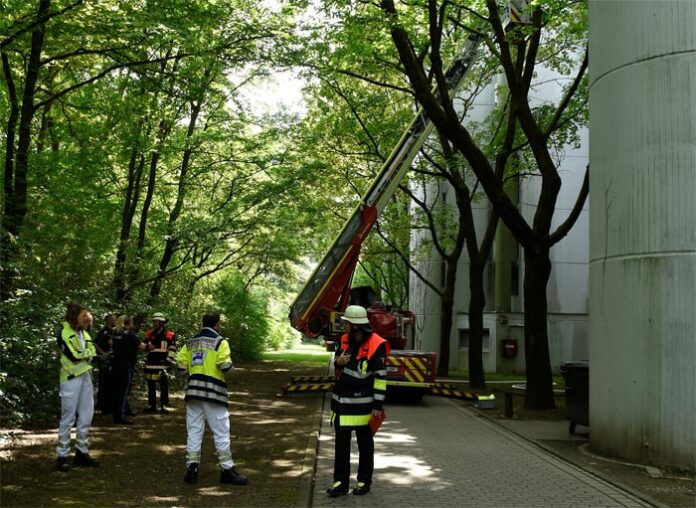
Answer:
(139, 173)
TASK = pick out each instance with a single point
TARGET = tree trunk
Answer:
(477, 302)
(447, 309)
(172, 240)
(537, 270)
(16, 201)
(446, 306)
(477, 296)
(163, 131)
(135, 170)
(11, 127)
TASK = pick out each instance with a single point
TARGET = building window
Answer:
(464, 340)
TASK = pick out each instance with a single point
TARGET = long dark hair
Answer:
(72, 312)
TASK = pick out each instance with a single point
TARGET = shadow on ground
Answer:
(143, 464)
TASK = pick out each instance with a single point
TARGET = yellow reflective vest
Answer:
(74, 358)
(206, 358)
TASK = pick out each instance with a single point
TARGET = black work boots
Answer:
(191, 475)
(84, 460)
(337, 489)
(361, 489)
(232, 476)
(226, 475)
(63, 464)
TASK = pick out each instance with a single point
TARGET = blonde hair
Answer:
(123, 323)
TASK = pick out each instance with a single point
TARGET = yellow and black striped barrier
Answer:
(441, 391)
(304, 388)
(312, 379)
(306, 384)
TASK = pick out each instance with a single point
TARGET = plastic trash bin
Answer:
(577, 393)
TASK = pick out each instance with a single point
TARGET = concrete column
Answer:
(506, 247)
(643, 230)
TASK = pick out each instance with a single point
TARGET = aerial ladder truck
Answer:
(319, 305)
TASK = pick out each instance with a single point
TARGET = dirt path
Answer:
(143, 464)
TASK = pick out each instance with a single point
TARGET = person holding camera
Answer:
(125, 352)
(76, 389)
(358, 396)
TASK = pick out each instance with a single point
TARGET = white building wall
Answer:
(643, 230)
(423, 300)
(568, 286)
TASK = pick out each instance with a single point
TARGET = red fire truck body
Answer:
(406, 369)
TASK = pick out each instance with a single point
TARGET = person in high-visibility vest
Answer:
(76, 389)
(206, 358)
(160, 345)
(358, 396)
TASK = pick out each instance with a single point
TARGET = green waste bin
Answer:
(577, 393)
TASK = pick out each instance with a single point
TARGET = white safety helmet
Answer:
(355, 314)
(159, 317)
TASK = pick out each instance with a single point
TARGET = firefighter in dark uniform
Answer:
(161, 353)
(358, 396)
(125, 352)
(103, 343)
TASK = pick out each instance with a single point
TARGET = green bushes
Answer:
(29, 366)
(248, 322)
(29, 358)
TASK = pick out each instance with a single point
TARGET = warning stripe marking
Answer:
(453, 393)
(414, 369)
(451, 386)
(419, 364)
(419, 375)
(307, 388)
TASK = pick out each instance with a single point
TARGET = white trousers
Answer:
(76, 400)
(218, 418)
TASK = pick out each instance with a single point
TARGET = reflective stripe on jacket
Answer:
(74, 358)
(163, 342)
(362, 383)
(206, 358)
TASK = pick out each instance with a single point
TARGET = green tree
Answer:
(518, 49)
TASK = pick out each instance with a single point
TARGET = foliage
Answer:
(304, 353)
(153, 183)
(117, 86)
(30, 357)
(246, 322)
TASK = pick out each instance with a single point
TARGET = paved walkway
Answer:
(440, 453)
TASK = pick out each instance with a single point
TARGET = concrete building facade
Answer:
(623, 285)
(643, 230)
(503, 319)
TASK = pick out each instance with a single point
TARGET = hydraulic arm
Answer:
(328, 287)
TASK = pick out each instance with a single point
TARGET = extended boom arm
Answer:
(328, 287)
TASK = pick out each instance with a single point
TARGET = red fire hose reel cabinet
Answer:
(509, 347)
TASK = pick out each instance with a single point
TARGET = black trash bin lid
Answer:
(576, 365)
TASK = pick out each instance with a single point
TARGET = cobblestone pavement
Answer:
(440, 453)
